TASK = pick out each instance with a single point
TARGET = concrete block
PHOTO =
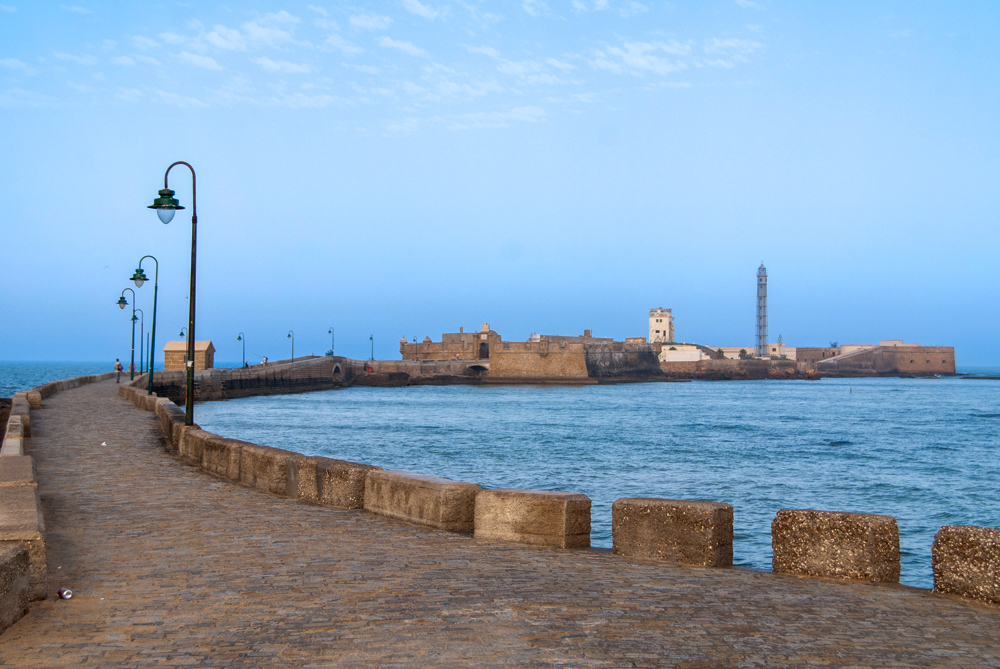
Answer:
(424, 500)
(330, 482)
(966, 562)
(536, 517)
(221, 456)
(696, 533)
(19, 407)
(34, 399)
(14, 584)
(147, 401)
(833, 544)
(17, 470)
(192, 443)
(47, 390)
(21, 523)
(271, 470)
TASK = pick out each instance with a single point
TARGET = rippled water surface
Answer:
(922, 450)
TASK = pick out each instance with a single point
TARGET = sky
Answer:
(404, 168)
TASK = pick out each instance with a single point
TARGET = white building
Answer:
(661, 326)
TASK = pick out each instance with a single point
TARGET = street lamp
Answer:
(332, 335)
(165, 206)
(183, 333)
(122, 302)
(140, 278)
(371, 338)
(291, 335)
(241, 337)
(142, 333)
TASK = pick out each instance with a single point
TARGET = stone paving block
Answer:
(425, 500)
(535, 517)
(834, 544)
(21, 523)
(331, 482)
(271, 470)
(697, 533)
(17, 470)
(14, 585)
(966, 562)
(192, 443)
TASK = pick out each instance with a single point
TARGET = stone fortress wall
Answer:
(965, 559)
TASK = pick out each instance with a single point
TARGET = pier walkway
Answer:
(171, 567)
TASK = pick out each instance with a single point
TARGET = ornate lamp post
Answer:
(183, 333)
(122, 303)
(332, 335)
(140, 278)
(242, 337)
(371, 338)
(291, 335)
(142, 333)
(165, 206)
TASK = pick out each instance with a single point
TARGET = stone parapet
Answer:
(835, 544)
(19, 407)
(536, 517)
(17, 470)
(424, 500)
(13, 438)
(330, 482)
(14, 584)
(21, 523)
(966, 562)
(696, 533)
(271, 470)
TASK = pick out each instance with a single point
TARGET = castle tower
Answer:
(661, 326)
(761, 312)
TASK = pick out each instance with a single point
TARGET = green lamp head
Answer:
(139, 277)
(165, 205)
(122, 302)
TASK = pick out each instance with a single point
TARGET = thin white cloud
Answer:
(179, 100)
(405, 47)
(226, 38)
(748, 3)
(7, 8)
(173, 38)
(130, 61)
(534, 7)
(144, 43)
(642, 57)
(346, 47)
(76, 9)
(199, 61)
(560, 65)
(370, 21)
(281, 66)
(485, 50)
(716, 45)
(79, 60)
(318, 10)
(420, 9)
(15, 64)
(19, 97)
(498, 119)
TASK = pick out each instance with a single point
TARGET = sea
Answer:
(925, 451)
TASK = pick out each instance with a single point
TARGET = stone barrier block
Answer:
(123, 392)
(330, 482)
(221, 456)
(147, 402)
(536, 517)
(12, 447)
(21, 523)
(19, 407)
(47, 390)
(696, 533)
(34, 399)
(192, 443)
(966, 562)
(272, 470)
(14, 584)
(833, 544)
(17, 470)
(176, 430)
(425, 500)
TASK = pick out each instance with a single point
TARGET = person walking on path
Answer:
(118, 370)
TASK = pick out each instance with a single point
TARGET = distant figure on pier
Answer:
(264, 361)
(118, 370)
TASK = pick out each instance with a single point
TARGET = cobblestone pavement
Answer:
(171, 567)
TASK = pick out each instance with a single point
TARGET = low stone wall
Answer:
(536, 517)
(831, 544)
(13, 584)
(425, 500)
(682, 531)
(966, 562)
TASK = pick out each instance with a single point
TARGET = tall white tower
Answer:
(661, 325)
(761, 311)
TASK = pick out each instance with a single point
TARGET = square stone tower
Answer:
(661, 326)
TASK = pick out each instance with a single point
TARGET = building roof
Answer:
(182, 346)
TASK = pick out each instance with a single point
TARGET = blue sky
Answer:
(406, 168)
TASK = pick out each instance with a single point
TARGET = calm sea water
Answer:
(922, 450)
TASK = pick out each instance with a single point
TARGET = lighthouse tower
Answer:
(761, 311)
